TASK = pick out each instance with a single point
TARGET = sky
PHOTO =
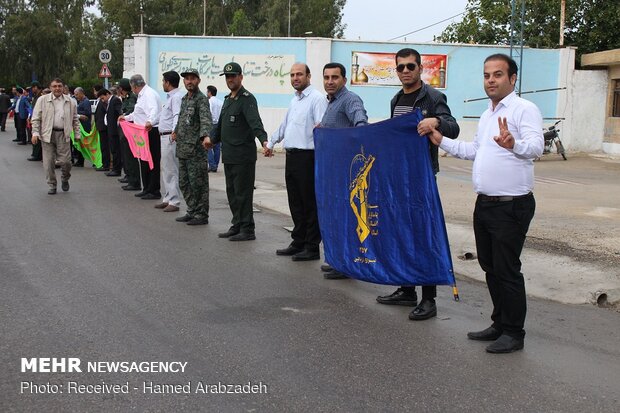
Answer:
(386, 19)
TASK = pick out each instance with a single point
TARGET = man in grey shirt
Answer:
(344, 110)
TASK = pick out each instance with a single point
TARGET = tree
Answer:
(591, 25)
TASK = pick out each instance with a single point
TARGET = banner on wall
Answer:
(261, 73)
(379, 69)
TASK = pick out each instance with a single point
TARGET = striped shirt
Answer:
(344, 110)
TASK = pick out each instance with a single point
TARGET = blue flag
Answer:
(379, 209)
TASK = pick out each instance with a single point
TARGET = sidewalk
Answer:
(572, 254)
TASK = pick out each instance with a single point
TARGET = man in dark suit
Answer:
(5, 104)
(115, 109)
(100, 123)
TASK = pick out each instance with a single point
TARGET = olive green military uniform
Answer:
(130, 164)
(193, 126)
(239, 124)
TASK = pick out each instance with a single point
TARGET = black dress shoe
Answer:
(425, 310)
(52, 191)
(65, 186)
(505, 344)
(290, 250)
(306, 255)
(22, 143)
(113, 173)
(102, 169)
(79, 164)
(488, 334)
(149, 195)
(123, 180)
(198, 221)
(326, 268)
(140, 194)
(131, 188)
(16, 140)
(399, 297)
(231, 231)
(243, 236)
(33, 159)
(334, 275)
(184, 218)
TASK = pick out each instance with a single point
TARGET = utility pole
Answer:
(204, 18)
(141, 19)
(562, 21)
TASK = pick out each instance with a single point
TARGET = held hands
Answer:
(427, 125)
(266, 151)
(505, 138)
(434, 136)
(206, 143)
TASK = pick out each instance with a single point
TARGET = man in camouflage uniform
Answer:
(192, 128)
(237, 129)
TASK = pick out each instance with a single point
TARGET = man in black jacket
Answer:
(114, 111)
(100, 123)
(433, 105)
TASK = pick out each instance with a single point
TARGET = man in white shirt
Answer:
(146, 112)
(167, 122)
(305, 112)
(508, 140)
(215, 105)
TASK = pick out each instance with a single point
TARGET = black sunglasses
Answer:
(401, 67)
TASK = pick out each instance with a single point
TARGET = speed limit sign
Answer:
(105, 56)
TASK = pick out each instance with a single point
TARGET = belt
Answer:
(165, 133)
(58, 130)
(487, 198)
(295, 150)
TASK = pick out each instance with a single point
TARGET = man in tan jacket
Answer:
(53, 118)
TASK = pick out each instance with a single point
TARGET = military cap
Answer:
(231, 68)
(124, 83)
(191, 72)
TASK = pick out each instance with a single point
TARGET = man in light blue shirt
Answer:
(215, 104)
(305, 112)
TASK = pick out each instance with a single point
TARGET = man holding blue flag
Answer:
(508, 140)
(437, 115)
(344, 110)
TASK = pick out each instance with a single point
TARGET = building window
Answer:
(615, 110)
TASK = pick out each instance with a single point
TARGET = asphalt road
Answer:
(99, 275)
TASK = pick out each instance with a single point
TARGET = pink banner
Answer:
(138, 139)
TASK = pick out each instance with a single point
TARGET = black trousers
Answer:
(299, 177)
(105, 148)
(3, 116)
(21, 130)
(500, 229)
(150, 177)
(240, 194)
(115, 149)
(130, 164)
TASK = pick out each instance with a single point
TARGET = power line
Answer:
(424, 28)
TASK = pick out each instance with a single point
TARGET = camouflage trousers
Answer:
(194, 184)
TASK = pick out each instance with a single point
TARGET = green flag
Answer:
(89, 145)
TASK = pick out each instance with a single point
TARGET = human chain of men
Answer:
(187, 133)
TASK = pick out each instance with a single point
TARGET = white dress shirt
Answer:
(216, 108)
(147, 108)
(304, 113)
(499, 171)
(170, 111)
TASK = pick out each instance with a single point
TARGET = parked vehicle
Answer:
(552, 137)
